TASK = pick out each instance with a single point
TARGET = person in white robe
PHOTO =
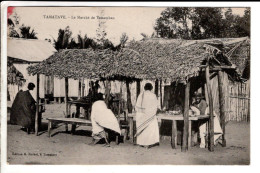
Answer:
(102, 118)
(147, 130)
(203, 109)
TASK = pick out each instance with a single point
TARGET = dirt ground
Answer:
(63, 148)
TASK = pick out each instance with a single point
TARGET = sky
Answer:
(130, 20)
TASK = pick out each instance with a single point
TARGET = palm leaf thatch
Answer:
(149, 59)
(239, 55)
(89, 63)
(14, 77)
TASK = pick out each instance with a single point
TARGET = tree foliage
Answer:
(19, 31)
(202, 23)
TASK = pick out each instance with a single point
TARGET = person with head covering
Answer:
(103, 120)
(147, 130)
(200, 103)
(23, 109)
(201, 108)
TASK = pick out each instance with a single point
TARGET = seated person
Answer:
(102, 120)
(200, 108)
(23, 109)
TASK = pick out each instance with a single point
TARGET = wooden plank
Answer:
(211, 124)
(37, 105)
(222, 105)
(184, 147)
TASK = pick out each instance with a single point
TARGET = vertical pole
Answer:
(156, 87)
(66, 100)
(248, 102)
(222, 105)
(186, 118)
(83, 88)
(107, 92)
(138, 88)
(161, 94)
(129, 103)
(211, 119)
(37, 106)
(79, 89)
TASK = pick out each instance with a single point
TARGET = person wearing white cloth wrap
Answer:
(147, 130)
(200, 108)
(102, 119)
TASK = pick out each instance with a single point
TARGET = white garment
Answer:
(146, 121)
(102, 117)
(217, 130)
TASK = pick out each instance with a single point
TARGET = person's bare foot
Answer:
(106, 145)
(94, 142)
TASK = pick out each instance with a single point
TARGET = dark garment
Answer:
(23, 110)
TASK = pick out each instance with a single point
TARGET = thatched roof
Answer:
(14, 76)
(89, 63)
(177, 59)
(29, 50)
(239, 55)
(149, 59)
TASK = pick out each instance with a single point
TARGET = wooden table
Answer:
(73, 121)
(86, 105)
(174, 119)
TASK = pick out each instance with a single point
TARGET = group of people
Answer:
(104, 121)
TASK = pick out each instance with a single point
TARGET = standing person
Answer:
(203, 109)
(200, 103)
(147, 130)
(23, 109)
(103, 120)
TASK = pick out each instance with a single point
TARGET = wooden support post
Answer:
(37, 106)
(107, 92)
(83, 88)
(59, 100)
(131, 128)
(156, 87)
(174, 135)
(129, 103)
(222, 105)
(79, 89)
(138, 88)
(211, 119)
(189, 138)
(49, 128)
(161, 106)
(66, 100)
(184, 146)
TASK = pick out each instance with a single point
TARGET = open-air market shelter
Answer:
(180, 61)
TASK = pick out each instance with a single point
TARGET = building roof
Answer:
(165, 59)
(29, 50)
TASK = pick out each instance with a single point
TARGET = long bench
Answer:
(73, 121)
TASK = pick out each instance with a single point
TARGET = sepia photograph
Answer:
(127, 85)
